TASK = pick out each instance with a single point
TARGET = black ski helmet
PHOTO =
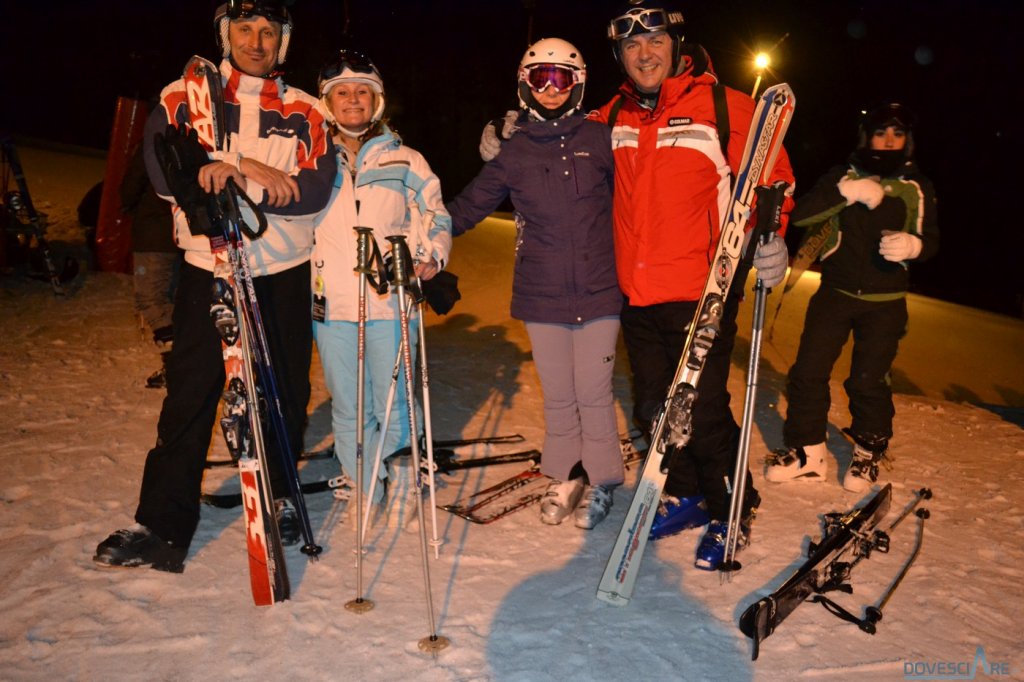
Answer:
(639, 16)
(883, 116)
(271, 10)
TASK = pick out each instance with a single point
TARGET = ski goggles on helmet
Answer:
(350, 65)
(272, 11)
(540, 76)
(895, 115)
(643, 21)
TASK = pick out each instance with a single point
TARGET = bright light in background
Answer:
(762, 60)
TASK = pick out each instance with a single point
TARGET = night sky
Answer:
(448, 66)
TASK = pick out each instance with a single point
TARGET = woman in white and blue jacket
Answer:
(389, 187)
(558, 171)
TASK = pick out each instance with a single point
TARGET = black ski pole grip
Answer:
(401, 259)
(769, 207)
(364, 237)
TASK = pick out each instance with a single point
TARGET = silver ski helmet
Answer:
(639, 16)
(551, 62)
(351, 66)
(270, 10)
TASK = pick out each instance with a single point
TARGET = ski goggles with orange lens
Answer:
(540, 76)
(643, 21)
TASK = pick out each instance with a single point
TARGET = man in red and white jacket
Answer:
(280, 154)
(672, 186)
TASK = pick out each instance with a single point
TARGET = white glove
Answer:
(771, 260)
(491, 138)
(865, 190)
(899, 246)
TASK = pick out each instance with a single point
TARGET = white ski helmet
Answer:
(350, 66)
(551, 61)
(270, 10)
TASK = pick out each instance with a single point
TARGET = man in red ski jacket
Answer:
(673, 170)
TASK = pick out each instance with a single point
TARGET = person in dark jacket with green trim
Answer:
(875, 215)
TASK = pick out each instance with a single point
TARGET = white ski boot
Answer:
(806, 463)
(868, 453)
(560, 500)
(594, 507)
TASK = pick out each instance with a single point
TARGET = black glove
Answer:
(441, 292)
(181, 156)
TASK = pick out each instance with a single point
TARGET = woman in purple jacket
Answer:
(558, 172)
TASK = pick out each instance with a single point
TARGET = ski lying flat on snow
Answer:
(490, 504)
(232, 500)
(327, 452)
(673, 426)
(821, 572)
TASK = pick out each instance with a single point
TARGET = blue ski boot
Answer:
(711, 550)
(676, 514)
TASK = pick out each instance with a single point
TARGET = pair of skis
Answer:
(673, 425)
(847, 540)
(519, 491)
(445, 462)
(251, 383)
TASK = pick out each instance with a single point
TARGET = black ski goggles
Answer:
(540, 76)
(347, 59)
(643, 21)
(272, 11)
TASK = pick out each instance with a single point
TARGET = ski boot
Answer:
(868, 453)
(711, 550)
(676, 514)
(139, 546)
(594, 507)
(158, 379)
(804, 463)
(287, 522)
(560, 500)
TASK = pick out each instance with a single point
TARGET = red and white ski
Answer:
(240, 422)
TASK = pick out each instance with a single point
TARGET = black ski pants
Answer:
(877, 328)
(655, 336)
(171, 481)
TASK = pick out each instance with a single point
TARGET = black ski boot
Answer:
(139, 546)
(158, 379)
(287, 522)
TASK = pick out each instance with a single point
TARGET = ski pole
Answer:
(363, 236)
(428, 434)
(873, 614)
(383, 429)
(769, 201)
(401, 258)
(729, 562)
(420, 248)
(271, 393)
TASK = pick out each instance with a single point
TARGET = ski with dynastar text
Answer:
(673, 425)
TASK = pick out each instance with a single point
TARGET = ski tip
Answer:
(613, 598)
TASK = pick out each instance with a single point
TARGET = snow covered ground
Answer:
(516, 598)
